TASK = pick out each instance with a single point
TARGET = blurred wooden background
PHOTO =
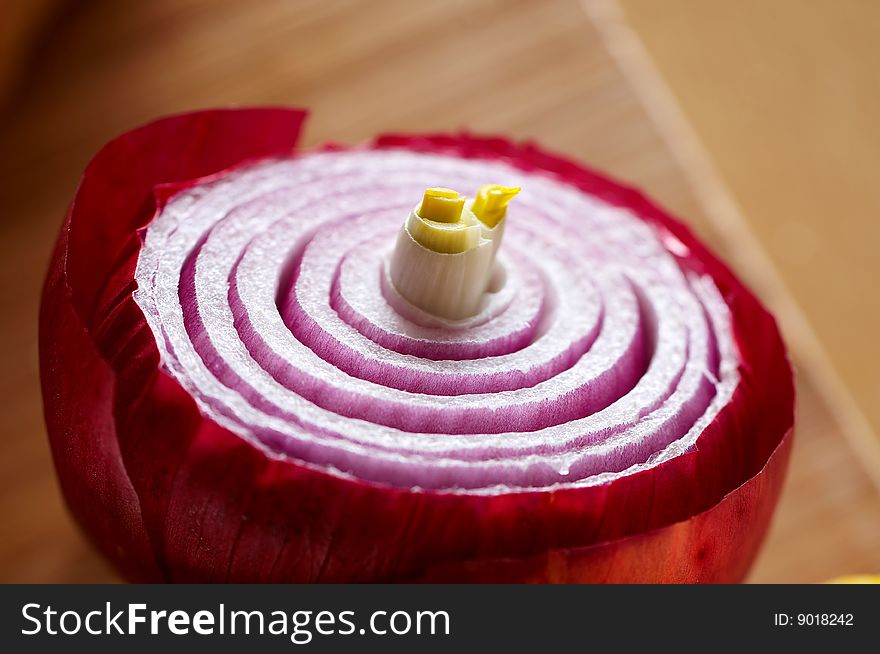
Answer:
(785, 97)
(544, 70)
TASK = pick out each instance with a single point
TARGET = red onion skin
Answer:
(169, 495)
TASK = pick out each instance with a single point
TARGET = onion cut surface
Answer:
(234, 391)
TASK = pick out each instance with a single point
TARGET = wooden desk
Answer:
(534, 70)
(784, 97)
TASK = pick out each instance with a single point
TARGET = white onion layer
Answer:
(596, 356)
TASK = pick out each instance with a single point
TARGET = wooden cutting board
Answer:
(528, 69)
(785, 97)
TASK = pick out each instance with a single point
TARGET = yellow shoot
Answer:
(490, 205)
(442, 205)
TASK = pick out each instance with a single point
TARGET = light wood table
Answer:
(529, 69)
(784, 97)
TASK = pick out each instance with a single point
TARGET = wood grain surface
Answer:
(529, 69)
(785, 98)
(20, 21)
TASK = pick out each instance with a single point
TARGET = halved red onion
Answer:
(234, 390)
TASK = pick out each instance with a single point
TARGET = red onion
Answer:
(235, 392)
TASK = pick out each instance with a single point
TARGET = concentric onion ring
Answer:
(619, 381)
(633, 355)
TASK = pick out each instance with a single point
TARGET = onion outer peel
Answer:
(167, 494)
